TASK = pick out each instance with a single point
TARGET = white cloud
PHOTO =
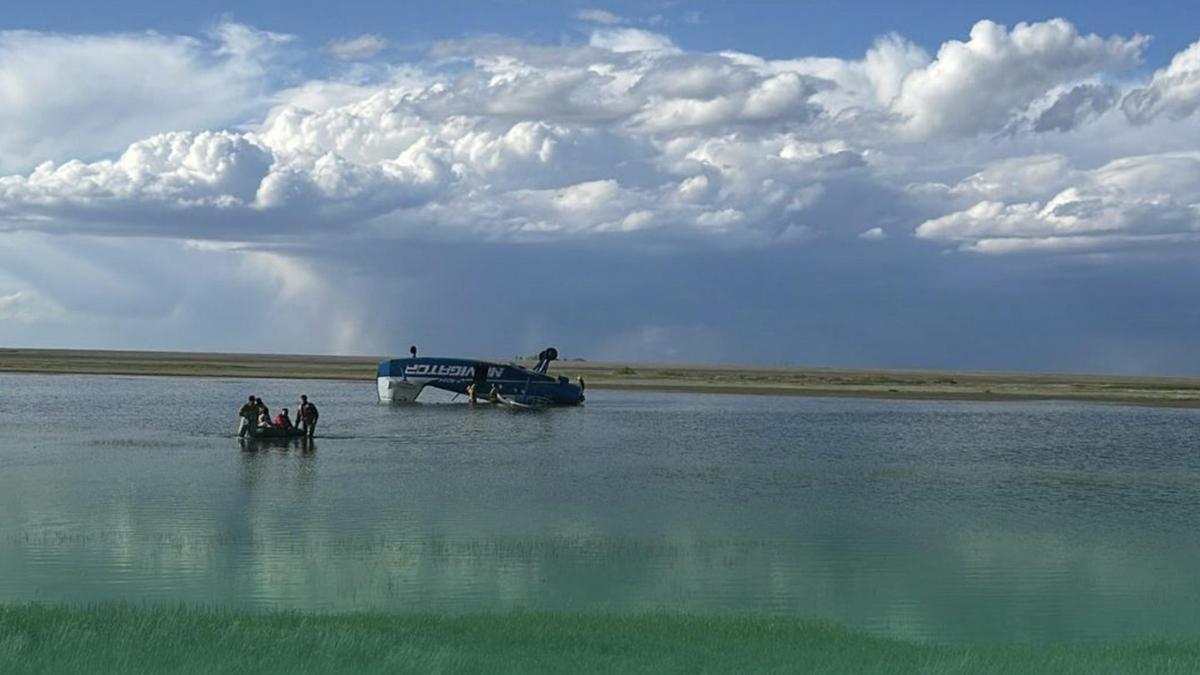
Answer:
(1135, 200)
(888, 63)
(977, 86)
(600, 16)
(1032, 177)
(246, 44)
(357, 48)
(80, 95)
(150, 183)
(632, 40)
(1173, 91)
(1076, 106)
(404, 157)
(504, 140)
(1075, 244)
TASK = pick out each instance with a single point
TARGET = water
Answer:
(948, 521)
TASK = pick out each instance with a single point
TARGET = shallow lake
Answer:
(951, 521)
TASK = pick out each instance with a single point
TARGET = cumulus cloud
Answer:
(1029, 177)
(1135, 200)
(210, 173)
(210, 184)
(1173, 91)
(888, 64)
(976, 86)
(357, 48)
(480, 153)
(505, 140)
(81, 95)
(1075, 107)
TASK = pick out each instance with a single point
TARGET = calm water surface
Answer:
(937, 520)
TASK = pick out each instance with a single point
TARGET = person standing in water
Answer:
(306, 415)
(248, 415)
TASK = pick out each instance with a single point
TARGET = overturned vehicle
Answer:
(402, 380)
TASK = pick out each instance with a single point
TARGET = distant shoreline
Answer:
(700, 379)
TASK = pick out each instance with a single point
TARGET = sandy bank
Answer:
(775, 381)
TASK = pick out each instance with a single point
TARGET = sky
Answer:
(991, 186)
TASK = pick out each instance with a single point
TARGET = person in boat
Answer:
(307, 415)
(264, 422)
(413, 351)
(282, 421)
(262, 408)
(248, 414)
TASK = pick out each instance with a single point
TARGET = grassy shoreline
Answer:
(178, 639)
(773, 381)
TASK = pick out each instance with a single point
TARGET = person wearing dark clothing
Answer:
(413, 350)
(248, 415)
(262, 408)
(307, 415)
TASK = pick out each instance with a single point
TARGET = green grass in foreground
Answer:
(133, 639)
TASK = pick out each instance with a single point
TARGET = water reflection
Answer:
(944, 521)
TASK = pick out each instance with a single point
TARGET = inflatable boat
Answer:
(275, 433)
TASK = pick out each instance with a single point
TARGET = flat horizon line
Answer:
(593, 363)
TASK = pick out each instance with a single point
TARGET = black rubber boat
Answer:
(275, 433)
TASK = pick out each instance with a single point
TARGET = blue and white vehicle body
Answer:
(402, 380)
